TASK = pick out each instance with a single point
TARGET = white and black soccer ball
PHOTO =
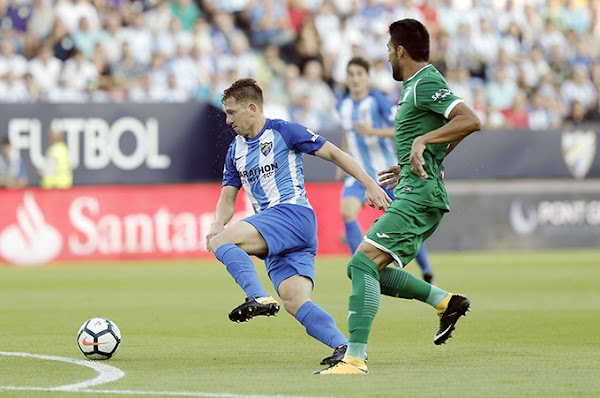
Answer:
(99, 338)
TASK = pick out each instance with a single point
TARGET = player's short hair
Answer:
(5, 141)
(244, 91)
(413, 36)
(360, 61)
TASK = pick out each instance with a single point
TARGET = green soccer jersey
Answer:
(425, 104)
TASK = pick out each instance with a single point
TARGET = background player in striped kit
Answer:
(367, 117)
(266, 159)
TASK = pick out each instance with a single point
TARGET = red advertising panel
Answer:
(134, 222)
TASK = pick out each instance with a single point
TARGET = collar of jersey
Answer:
(257, 136)
(416, 73)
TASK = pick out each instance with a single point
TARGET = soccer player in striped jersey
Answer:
(266, 159)
(430, 122)
(367, 117)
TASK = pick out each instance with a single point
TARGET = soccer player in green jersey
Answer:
(430, 122)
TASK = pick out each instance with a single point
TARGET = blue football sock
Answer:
(241, 267)
(353, 234)
(423, 260)
(320, 325)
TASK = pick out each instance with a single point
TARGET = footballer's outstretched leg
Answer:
(457, 307)
(254, 307)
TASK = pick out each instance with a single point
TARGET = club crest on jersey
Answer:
(578, 149)
(265, 147)
(441, 94)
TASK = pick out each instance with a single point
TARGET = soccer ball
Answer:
(99, 338)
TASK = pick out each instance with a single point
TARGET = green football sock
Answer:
(364, 301)
(396, 282)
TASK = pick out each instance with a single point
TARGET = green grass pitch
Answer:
(533, 331)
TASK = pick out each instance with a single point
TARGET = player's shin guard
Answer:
(396, 282)
(241, 267)
(320, 325)
(364, 300)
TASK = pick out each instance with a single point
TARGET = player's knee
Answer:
(293, 304)
(348, 214)
(215, 242)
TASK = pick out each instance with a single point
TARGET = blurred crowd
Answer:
(519, 63)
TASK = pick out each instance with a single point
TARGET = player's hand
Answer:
(375, 196)
(363, 128)
(215, 229)
(417, 161)
(390, 177)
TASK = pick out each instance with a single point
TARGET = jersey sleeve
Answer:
(300, 138)
(230, 173)
(434, 95)
(386, 108)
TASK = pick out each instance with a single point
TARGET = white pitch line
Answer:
(110, 373)
(107, 373)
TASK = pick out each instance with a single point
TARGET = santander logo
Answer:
(101, 223)
(30, 241)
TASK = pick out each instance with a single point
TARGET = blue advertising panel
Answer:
(177, 143)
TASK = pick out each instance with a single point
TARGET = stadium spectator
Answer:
(45, 69)
(540, 115)
(160, 17)
(60, 40)
(577, 116)
(40, 23)
(517, 116)
(85, 38)
(311, 83)
(302, 112)
(579, 87)
(283, 230)
(308, 44)
(112, 41)
(183, 66)
(12, 169)
(18, 13)
(269, 23)
(127, 71)
(79, 71)
(168, 40)
(13, 89)
(501, 91)
(140, 38)
(187, 11)
(10, 60)
(534, 67)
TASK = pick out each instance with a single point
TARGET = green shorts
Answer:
(402, 229)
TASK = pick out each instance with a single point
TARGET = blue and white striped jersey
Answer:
(270, 166)
(371, 152)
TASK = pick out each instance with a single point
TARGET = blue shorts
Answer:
(354, 188)
(291, 235)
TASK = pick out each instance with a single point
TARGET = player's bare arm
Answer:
(223, 212)
(453, 145)
(369, 130)
(375, 195)
(462, 122)
(339, 173)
